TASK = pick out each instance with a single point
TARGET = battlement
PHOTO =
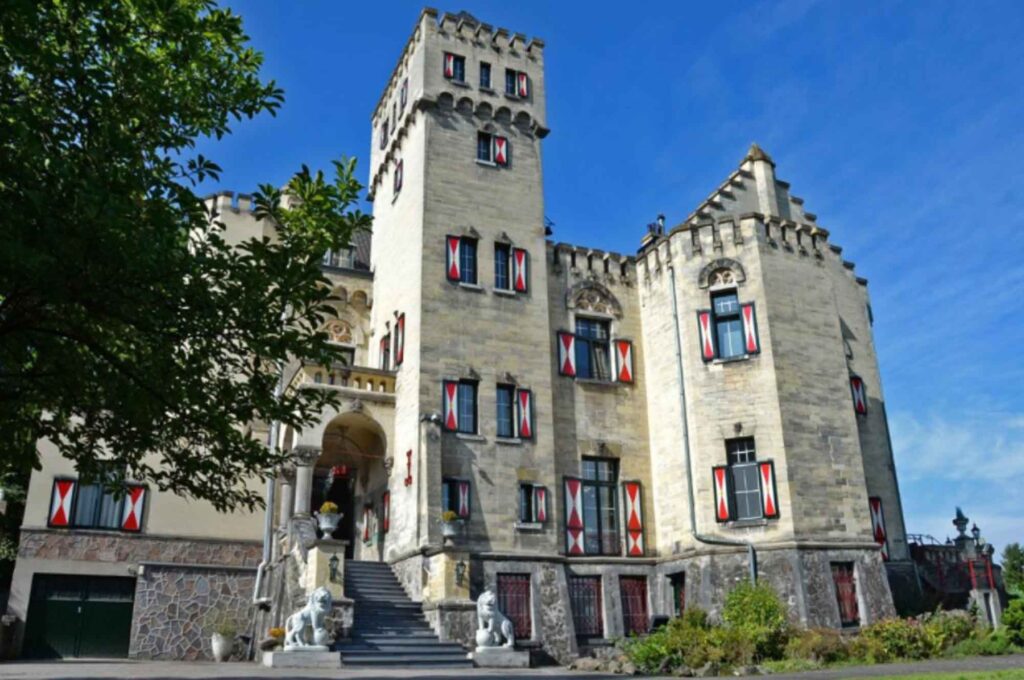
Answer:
(228, 201)
(608, 267)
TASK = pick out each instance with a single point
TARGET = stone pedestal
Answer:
(302, 659)
(501, 657)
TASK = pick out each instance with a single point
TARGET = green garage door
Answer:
(83, 616)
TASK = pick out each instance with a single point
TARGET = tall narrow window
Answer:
(678, 583)
(502, 259)
(467, 407)
(600, 514)
(846, 593)
(633, 590)
(506, 411)
(484, 147)
(485, 75)
(728, 324)
(592, 355)
(746, 485)
(510, 82)
(467, 260)
(454, 67)
(514, 602)
(587, 609)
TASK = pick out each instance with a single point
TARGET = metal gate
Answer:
(79, 616)
(585, 600)
(846, 593)
(633, 590)
(514, 602)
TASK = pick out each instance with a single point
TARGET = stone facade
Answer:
(106, 547)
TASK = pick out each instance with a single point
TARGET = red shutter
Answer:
(524, 84)
(634, 519)
(386, 511)
(860, 401)
(573, 516)
(383, 352)
(134, 505)
(449, 65)
(400, 340)
(398, 176)
(707, 338)
(520, 262)
(769, 495)
(623, 361)
(878, 525)
(453, 250)
(500, 150)
(566, 354)
(450, 405)
(723, 493)
(540, 504)
(62, 499)
(367, 511)
(751, 342)
(524, 412)
(463, 501)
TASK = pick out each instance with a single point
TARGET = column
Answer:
(286, 504)
(305, 458)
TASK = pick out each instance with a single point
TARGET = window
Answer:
(587, 609)
(394, 116)
(467, 407)
(506, 411)
(454, 67)
(592, 355)
(514, 602)
(385, 352)
(455, 497)
(384, 135)
(398, 177)
(405, 92)
(492, 149)
(746, 484)
(502, 260)
(728, 325)
(467, 260)
(510, 82)
(533, 504)
(678, 583)
(485, 75)
(600, 514)
(97, 508)
(846, 593)
(342, 258)
(633, 590)
(484, 147)
(91, 506)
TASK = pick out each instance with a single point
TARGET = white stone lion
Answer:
(492, 625)
(314, 615)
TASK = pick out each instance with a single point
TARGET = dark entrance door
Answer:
(342, 492)
(79, 616)
(633, 590)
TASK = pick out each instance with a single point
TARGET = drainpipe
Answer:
(268, 517)
(711, 540)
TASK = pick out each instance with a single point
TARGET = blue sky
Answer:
(900, 123)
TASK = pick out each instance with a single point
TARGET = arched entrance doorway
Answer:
(350, 472)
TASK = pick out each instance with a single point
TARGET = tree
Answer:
(131, 334)
(1013, 567)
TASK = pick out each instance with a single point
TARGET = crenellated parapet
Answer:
(228, 201)
(580, 263)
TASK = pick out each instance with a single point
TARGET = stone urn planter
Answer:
(450, 530)
(328, 522)
(222, 645)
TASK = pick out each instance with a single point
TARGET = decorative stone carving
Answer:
(591, 296)
(493, 628)
(313, 615)
(723, 271)
(339, 331)
(306, 455)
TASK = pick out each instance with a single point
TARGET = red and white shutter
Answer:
(398, 176)
(450, 404)
(878, 526)
(524, 413)
(367, 512)
(707, 338)
(453, 248)
(623, 360)
(134, 504)
(860, 401)
(386, 511)
(751, 343)
(634, 519)
(520, 262)
(500, 150)
(449, 65)
(540, 504)
(400, 340)
(566, 354)
(723, 493)
(573, 516)
(462, 504)
(61, 501)
(523, 84)
(769, 494)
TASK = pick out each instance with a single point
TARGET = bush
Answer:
(758, 614)
(1013, 622)
(731, 647)
(681, 642)
(821, 645)
(891, 639)
(944, 629)
(984, 643)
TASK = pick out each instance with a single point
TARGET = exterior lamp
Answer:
(332, 565)
(976, 532)
(460, 572)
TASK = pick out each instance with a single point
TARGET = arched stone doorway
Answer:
(351, 473)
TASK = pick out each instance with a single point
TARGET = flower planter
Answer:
(222, 647)
(328, 522)
(451, 529)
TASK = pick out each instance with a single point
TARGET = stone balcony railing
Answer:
(359, 378)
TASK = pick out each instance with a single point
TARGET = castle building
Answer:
(602, 438)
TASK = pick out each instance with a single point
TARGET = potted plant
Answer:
(222, 641)
(328, 518)
(451, 524)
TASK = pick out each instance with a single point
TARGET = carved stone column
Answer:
(287, 491)
(305, 458)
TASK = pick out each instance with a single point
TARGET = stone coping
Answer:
(197, 566)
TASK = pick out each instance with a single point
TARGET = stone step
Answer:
(422, 650)
(399, 644)
(407, 660)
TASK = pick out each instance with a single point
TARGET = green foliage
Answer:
(757, 612)
(984, 643)
(683, 642)
(132, 335)
(820, 645)
(944, 629)
(1013, 568)
(1013, 622)
(891, 639)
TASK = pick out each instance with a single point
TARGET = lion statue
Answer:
(314, 615)
(492, 625)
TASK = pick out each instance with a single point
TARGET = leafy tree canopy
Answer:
(132, 335)
(1013, 568)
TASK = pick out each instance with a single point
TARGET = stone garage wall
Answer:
(175, 605)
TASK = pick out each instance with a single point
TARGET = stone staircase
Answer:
(388, 628)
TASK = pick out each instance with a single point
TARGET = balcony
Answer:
(361, 379)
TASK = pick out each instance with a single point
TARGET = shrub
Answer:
(891, 639)
(730, 646)
(1013, 622)
(757, 612)
(681, 642)
(944, 629)
(821, 645)
(984, 643)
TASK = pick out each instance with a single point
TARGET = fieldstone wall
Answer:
(175, 607)
(453, 621)
(105, 546)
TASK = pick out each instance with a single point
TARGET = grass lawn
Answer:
(1012, 674)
